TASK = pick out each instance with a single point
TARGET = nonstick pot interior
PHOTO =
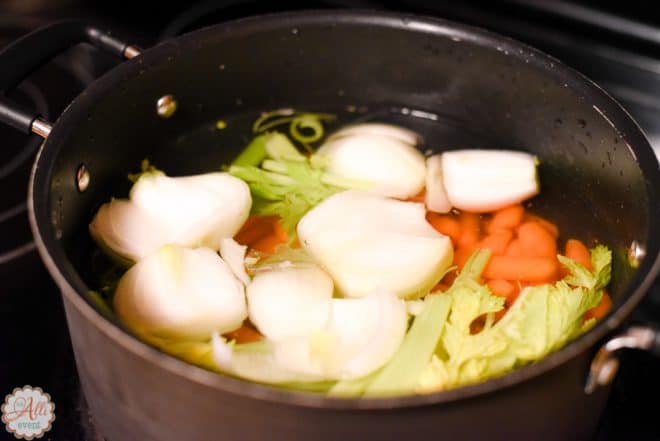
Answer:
(460, 88)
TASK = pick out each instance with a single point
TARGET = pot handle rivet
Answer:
(605, 364)
(82, 178)
(166, 106)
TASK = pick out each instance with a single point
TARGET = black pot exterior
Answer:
(132, 400)
(475, 90)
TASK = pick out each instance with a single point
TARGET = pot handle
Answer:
(605, 364)
(26, 54)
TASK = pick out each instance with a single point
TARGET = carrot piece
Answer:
(461, 255)
(497, 242)
(440, 286)
(449, 278)
(602, 309)
(245, 334)
(536, 241)
(549, 226)
(267, 244)
(578, 251)
(469, 223)
(508, 218)
(514, 249)
(280, 232)
(446, 225)
(504, 288)
(501, 287)
(527, 269)
(255, 228)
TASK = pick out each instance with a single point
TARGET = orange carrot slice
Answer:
(602, 309)
(469, 223)
(461, 255)
(578, 251)
(497, 242)
(508, 218)
(245, 334)
(255, 228)
(501, 287)
(549, 226)
(527, 269)
(536, 241)
(514, 249)
(445, 225)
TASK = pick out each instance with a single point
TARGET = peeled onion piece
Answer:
(486, 180)
(376, 157)
(366, 242)
(290, 301)
(180, 293)
(436, 198)
(387, 130)
(199, 209)
(233, 254)
(126, 231)
(360, 336)
(189, 211)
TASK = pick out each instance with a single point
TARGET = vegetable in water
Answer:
(359, 337)
(189, 211)
(290, 301)
(435, 197)
(180, 293)
(486, 180)
(543, 319)
(282, 181)
(366, 241)
(379, 157)
(330, 268)
(234, 255)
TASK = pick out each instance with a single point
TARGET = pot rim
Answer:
(73, 288)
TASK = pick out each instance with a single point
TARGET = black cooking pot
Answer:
(458, 86)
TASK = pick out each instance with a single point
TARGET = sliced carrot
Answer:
(508, 218)
(536, 241)
(504, 288)
(441, 286)
(514, 249)
(255, 228)
(461, 255)
(245, 334)
(578, 251)
(280, 232)
(497, 242)
(446, 225)
(549, 226)
(527, 269)
(449, 278)
(602, 309)
(267, 244)
(501, 287)
(469, 223)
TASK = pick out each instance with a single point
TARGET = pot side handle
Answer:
(31, 51)
(605, 364)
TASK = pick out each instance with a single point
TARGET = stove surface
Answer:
(619, 53)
